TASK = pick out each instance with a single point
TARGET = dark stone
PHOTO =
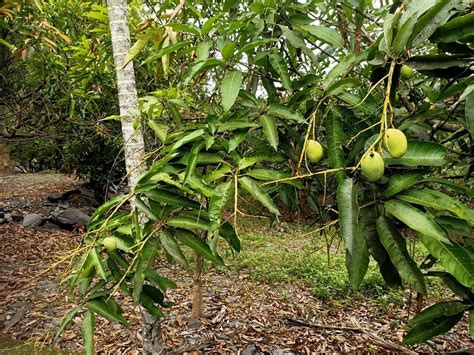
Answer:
(195, 324)
(250, 350)
(71, 217)
(16, 216)
(32, 220)
(64, 196)
(49, 226)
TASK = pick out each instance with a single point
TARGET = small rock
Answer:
(62, 197)
(49, 226)
(71, 217)
(250, 350)
(32, 220)
(16, 216)
(195, 324)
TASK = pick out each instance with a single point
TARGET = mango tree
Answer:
(246, 97)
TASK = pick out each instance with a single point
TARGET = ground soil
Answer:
(240, 315)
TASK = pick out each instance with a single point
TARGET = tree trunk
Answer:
(127, 91)
(196, 311)
(132, 139)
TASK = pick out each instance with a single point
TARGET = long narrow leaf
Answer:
(88, 325)
(396, 247)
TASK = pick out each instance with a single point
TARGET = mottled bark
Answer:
(196, 311)
(127, 92)
(133, 139)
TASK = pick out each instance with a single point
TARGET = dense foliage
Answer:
(241, 90)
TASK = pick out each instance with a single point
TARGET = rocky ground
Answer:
(240, 315)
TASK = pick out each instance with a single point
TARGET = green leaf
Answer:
(279, 64)
(202, 159)
(172, 248)
(348, 212)
(101, 308)
(433, 321)
(136, 48)
(230, 88)
(342, 86)
(270, 175)
(188, 138)
(202, 50)
(210, 23)
(419, 154)
(199, 246)
(68, 317)
(340, 70)
(259, 194)
(200, 67)
(217, 174)
(455, 225)
(453, 284)
(285, 112)
(218, 201)
(335, 139)
(357, 263)
(325, 34)
(469, 113)
(254, 159)
(270, 130)
(145, 209)
(97, 261)
(160, 130)
(454, 258)
(184, 27)
(439, 201)
(376, 249)
(395, 245)
(149, 304)
(187, 223)
(103, 209)
(228, 233)
(439, 61)
(399, 44)
(249, 47)
(167, 50)
(171, 198)
(457, 29)
(402, 181)
(297, 42)
(162, 282)
(238, 137)
(144, 261)
(390, 22)
(415, 219)
(430, 21)
(88, 325)
(236, 124)
(192, 161)
(445, 308)
(452, 185)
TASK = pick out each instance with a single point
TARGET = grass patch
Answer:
(293, 256)
(289, 254)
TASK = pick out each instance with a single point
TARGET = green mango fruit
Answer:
(372, 166)
(395, 143)
(314, 151)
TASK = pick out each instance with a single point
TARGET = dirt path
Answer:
(240, 314)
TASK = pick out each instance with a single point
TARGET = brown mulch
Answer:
(239, 313)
